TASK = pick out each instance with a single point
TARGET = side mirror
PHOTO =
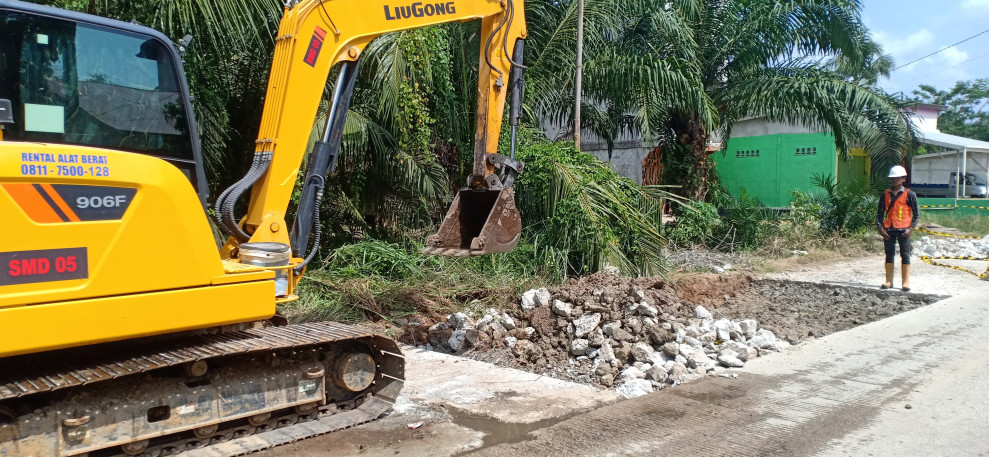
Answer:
(6, 111)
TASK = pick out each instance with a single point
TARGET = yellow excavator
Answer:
(124, 329)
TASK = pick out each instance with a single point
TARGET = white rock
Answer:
(606, 354)
(693, 342)
(730, 359)
(699, 359)
(748, 327)
(657, 373)
(762, 339)
(686, 349)
(646, 309)
(458, 340)
(722, 328)
(676, 371)
(529, 331)
(658, 358)
(508, 322)
(718, 270)
(634, 388)
(583, 325)
(680, 359)
(642, 352)
(534, 298)
(591, 353)
(562, 308)
(631, 373)
(578, 346)
(612, 270)
(510, 341)
(638, 295)
(596, 337)
(609, 328)
(701, 312)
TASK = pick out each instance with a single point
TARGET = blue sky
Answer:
(910, 29)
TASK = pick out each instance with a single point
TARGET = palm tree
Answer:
(764, 58)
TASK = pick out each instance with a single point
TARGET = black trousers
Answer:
(896, 236)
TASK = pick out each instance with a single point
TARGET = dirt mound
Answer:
(705, 288)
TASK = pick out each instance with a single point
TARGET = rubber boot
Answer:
(889, 277)
(905, 277)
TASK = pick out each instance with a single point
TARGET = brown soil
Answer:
(703, 288)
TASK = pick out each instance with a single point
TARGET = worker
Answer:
(896, 218)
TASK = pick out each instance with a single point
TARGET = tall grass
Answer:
(385, 281)
(972, 224)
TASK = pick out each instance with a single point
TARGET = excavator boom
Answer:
(316, 36)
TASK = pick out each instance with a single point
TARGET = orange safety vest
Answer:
(899, 215)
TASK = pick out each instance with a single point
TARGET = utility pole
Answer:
(580, 70)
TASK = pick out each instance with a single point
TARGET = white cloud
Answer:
(952, 56)
(917, 45)
(975, 4)
(900, 47)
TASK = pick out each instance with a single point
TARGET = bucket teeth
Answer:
(480, 221)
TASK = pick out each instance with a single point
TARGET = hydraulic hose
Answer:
(228, 199)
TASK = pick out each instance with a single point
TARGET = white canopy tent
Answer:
(966, 152)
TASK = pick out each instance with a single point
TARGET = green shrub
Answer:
(579, 214)
(844, 208)
(745, 222)
(695, 225)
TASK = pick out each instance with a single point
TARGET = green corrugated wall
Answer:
(769, 167)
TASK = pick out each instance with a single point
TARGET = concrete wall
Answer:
(760, 126)
(626, 158)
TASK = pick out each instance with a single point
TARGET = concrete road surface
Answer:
(912, 384)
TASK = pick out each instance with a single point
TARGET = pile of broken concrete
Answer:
(952, 247)
(631, 334)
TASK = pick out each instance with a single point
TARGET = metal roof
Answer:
(953, 141)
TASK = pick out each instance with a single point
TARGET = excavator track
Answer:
(215, 394)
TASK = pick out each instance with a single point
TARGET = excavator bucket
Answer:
(480, 221)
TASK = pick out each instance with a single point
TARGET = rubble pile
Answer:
(632, 334)
(952, 247)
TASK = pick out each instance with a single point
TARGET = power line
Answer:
(942, 49)
(949, 66)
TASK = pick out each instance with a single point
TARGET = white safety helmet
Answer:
(897, 172)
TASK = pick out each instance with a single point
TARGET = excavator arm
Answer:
(313, 37)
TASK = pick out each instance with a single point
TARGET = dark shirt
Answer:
(911, 200)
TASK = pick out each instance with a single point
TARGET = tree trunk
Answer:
(693, 137)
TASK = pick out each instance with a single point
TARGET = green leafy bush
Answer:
(844, 208)
(745, 222)
(695, 225)
(579, 214)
